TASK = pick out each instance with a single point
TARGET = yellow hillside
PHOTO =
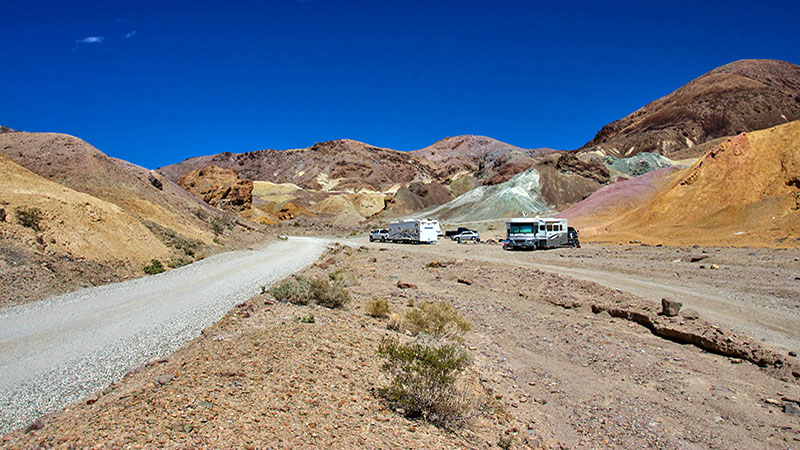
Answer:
(73, 222)
(744, 192)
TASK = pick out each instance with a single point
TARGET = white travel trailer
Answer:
(413, 231)
(538, 233)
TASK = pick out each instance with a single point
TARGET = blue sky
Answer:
(157, 82)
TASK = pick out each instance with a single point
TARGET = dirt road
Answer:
(62, 349)
(753, 291)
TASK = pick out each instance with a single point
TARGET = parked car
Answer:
(467, 236)
(379, 235)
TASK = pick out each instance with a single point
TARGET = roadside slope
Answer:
(64, 348)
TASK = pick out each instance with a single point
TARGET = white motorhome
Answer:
(538, 233)
(413, 231)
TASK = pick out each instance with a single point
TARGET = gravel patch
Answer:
(62, 349)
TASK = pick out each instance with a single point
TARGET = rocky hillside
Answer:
(71, 216)
(468, 161)
(743, 192)
(75, 164)
(742, 96)
(341, 165)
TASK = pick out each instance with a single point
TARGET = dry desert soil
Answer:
(561, 360)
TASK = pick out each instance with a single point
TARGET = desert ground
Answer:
(565, 356)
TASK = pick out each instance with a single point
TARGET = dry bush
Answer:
(438, 319)
(427, 378)
(294, 291)
(395, 322)
(378, 308)
(328, 295)
(29, 217)
(344, 277)
(303, 290)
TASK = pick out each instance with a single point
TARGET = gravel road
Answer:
(62, 349)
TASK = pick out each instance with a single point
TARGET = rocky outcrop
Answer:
(591, 168)
(219, 187)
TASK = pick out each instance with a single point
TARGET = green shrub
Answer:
(302, 291)
(307, 319)
(424, 377)
(29, 217)
(378, 308)
(439, 320)
(154, 267)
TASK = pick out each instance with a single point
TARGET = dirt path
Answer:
(753, 291)
(59, 350)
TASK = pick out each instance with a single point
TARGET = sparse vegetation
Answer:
(303, 291)
(329, 295)
(438, 319)
(30, 217)
(424, 378)
(179, 262)
(220, 222)
(201, 213)
(172, 238)
(154, 267)
(378, 308)
(343, 277)
(307, 319)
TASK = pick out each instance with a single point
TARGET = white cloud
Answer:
(91, 40)
(131, 34)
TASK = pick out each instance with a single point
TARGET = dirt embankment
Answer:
(561, 374)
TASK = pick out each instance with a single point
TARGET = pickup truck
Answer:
(379, 235)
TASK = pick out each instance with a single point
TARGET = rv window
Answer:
(520, 228)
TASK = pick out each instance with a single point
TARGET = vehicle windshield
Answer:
(521, 228)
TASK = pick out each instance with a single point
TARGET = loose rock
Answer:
(670, 308)
(406, 285)
(690, 314)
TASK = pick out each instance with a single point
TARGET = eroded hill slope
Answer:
(743, 192)
(742, 96)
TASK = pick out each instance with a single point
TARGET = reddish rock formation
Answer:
(219, 187)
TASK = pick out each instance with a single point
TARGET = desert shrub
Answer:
(438, 319)
(424, 377)
(220, 222)
(154, 267)
(179, 262)
(307, 319)
(327, 294)
(378, 308)
(395, 322)
(302, 291)
(343, 277)
(29, 217)
(293, 291)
